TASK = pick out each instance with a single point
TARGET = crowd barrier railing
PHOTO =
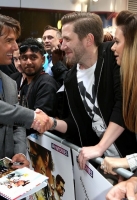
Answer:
(123, 172)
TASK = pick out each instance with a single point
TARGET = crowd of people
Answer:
(76, 84)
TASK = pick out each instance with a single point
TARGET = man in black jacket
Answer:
(93, 91)
(40, 88)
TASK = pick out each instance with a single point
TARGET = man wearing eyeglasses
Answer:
(40, 89)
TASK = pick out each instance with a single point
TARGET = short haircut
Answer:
(33, 41)
(85, 23)
(11, 24)
(59, 179)
(48, 27)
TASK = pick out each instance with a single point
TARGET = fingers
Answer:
(36, 125)
(87, 153)
(131, 187)
(37, 111)
(117, 192)
(20, 161)
(104, 167)
(107, 168)
(82, 159)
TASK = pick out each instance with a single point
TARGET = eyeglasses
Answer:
(33, 48)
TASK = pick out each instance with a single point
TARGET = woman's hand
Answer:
(110, 163)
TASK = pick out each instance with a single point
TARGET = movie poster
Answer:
(89, 183)
(54, 160)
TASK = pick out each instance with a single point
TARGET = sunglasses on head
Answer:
(33, 48)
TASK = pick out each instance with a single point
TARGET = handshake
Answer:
(42, 122)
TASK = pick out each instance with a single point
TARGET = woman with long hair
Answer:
(125, 50)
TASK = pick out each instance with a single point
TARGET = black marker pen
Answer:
(124, 199)
(16, 163)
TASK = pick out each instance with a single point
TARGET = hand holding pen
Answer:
(19, 161)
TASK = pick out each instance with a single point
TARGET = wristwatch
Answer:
(54, 124)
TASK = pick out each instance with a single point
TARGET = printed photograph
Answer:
(42, 162)
(5, 167)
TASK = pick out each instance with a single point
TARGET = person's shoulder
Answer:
(105, 50)
(45, 76)
(108, 44)
(7, 79)
(47, 79)
(15, 75)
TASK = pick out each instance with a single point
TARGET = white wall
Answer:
(43, 4)
(108, 5)
(9, 3)
(69, 5)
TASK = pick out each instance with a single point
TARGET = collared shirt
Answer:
(48, 65)
(132, 161)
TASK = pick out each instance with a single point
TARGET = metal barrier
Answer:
(123, 172)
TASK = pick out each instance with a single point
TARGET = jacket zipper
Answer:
(73, 116)
(100, 110)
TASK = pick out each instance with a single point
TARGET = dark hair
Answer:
(85, 23)
(48, 27)
(33, 41)
(59, 179)
(11, 24)
(128, 22)
(108, 37)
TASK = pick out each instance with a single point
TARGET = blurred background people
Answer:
(54, 58)
(18, 76)
(108, 37)
(50, 38)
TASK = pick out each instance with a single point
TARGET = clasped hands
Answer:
(42, 122)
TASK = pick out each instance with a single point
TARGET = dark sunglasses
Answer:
(33, 48)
